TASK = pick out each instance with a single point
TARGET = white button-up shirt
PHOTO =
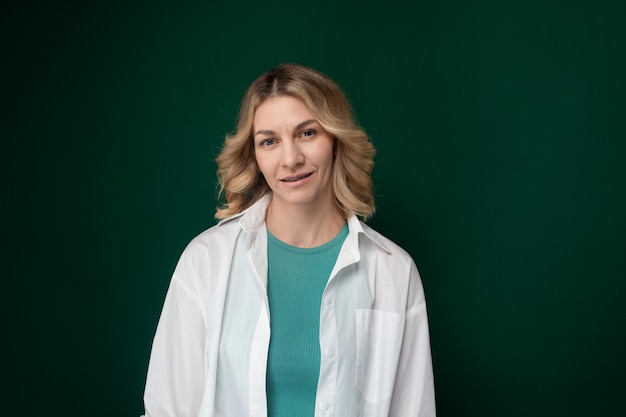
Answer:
(209, 355)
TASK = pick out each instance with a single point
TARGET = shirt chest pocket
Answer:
(378, 342)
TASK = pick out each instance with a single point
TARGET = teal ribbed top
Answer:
(296, 281)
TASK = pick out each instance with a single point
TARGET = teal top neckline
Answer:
(341, 236)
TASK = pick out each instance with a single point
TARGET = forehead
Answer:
(281, 110)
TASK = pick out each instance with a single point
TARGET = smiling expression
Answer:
(294, 153)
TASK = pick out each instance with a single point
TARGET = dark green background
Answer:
(500, 134)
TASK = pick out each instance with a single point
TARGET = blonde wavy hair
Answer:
(240, 179)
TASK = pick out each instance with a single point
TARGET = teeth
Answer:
(296, 179)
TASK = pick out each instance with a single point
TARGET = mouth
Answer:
(297, 177)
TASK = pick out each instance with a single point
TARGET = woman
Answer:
(346, 308)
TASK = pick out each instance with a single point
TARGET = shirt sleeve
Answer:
(414, 391)
(176, 373)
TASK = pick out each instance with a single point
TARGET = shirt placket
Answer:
(327, 386)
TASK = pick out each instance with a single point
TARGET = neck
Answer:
(304, 227)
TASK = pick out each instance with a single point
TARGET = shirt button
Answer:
(330, 353)
(328, 301)
(324, 405)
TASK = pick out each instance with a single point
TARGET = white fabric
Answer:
(209, 354)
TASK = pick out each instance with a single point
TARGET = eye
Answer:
(267, 142)
(308, 133)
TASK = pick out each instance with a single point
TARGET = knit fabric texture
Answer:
(296, 281)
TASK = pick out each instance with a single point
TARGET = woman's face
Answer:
(294, 154)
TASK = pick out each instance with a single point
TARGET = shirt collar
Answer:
(354, 224)
(253, 218)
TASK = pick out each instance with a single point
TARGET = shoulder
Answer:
(395, 274)
(208, 250)
(217, 244)
(225, 229)
(384, 246)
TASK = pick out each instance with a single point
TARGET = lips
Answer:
(297, 177)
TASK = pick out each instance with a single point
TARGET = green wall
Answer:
(500, 134)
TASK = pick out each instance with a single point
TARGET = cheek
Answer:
(264, 165)
(327, 154)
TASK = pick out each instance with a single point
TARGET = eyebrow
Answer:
(298, 127)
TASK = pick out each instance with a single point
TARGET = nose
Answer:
(292, 154)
